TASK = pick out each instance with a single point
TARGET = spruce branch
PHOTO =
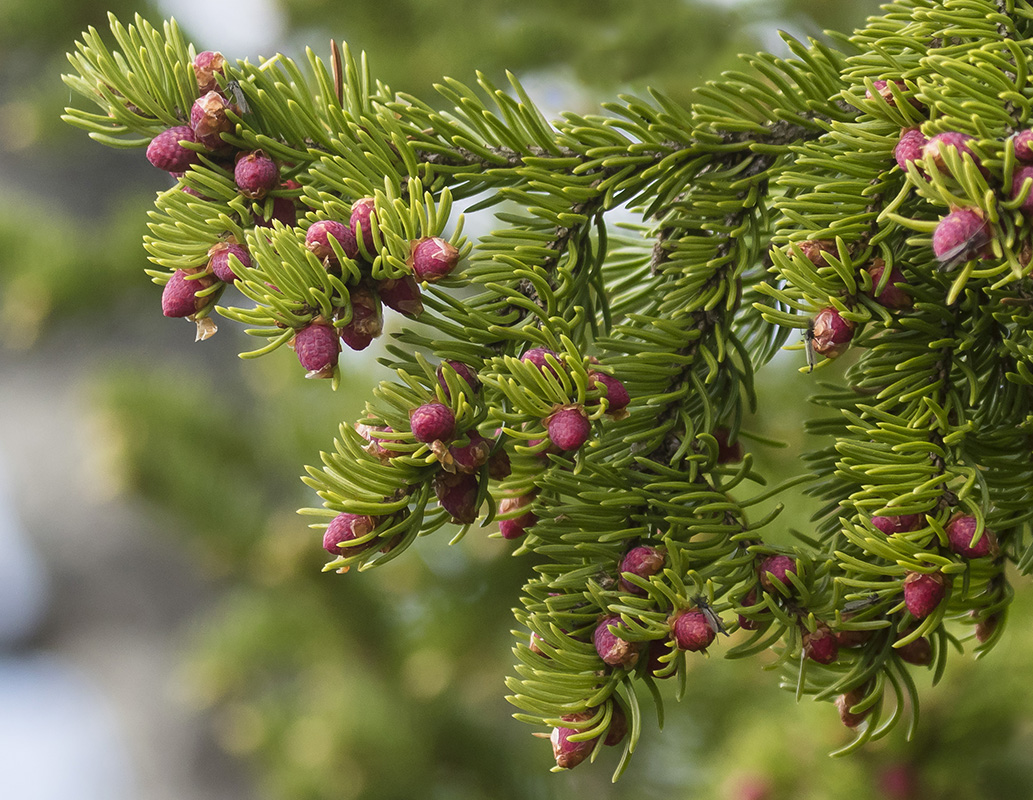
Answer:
(587, 391)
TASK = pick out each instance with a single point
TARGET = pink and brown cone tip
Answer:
(831, 333)
(891, 296)
(617, 397)
(432, 422)
(471, 456)
(1019, 178)
(848, 700)
(986, 627)
(812, 250)
(853, 637)
(255, 174)
(457, 493)
(569, 754)
(900, 782)
(918, 652)
(934, 149)
(401, 295)
(691, 630)
(777, 567)
(658, 648)
(727, 452)
(432, 259)
(901, 523)
(821, 645)
(518, 525)
(612, 649)
(499, 465)
(317, 348)
(923, 593)
(219, 260)
(186, 188)
(568, 427)
(749, 600)
(537, 356)
(910, 147)
(209, 119)
(362, 220)
(465, 374)
(961, 529)
(375, 446)
(618, 727)
(961, 236)
(207, 65)
(179, 297)
(347, 528)
(365, 324)
(1023, 145)
(754, 787)
(883, 89)
(284, 211)
(642, 561)
(317, 240)
(166, 153)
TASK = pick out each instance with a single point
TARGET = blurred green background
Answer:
(386, 684)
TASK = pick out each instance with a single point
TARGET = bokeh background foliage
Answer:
(389, 684)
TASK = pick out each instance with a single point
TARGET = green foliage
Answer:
(601, 43)
(68, 271)
(763, 205)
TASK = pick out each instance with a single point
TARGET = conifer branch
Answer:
(585, 392)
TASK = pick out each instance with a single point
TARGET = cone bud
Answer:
(848, 700)
(464, 372)
(165, 151)
(518, 525)
(536, 356)
(207, 65)
(821, 645)
(910, 147)
(891, 296)
(569, 428)
(919, 652)
(255, 174)
(831, 333)
(617, 397)
(777, 568)
(317, 240)
(898, 524)
(1023, 144)
(569, 754)
(642, 561)
(219, 260)
(362, 219)
(923, 593)
(812, 250)
(933, 150)
(612, 649)
(457, 494)
(692, 631)
(432, 259)
(402, 295)
(471, 456)
(432, 422)
(961, 528)
(346, 528)
(208, 119)
(179, 296)
(317, 348)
